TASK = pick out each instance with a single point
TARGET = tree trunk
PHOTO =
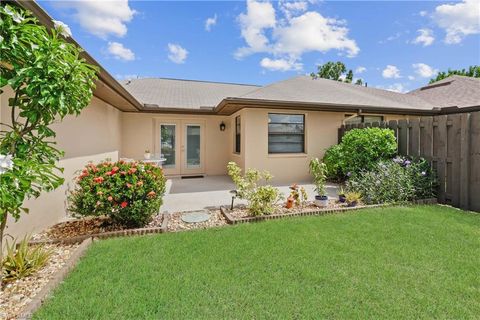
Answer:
(2, 230)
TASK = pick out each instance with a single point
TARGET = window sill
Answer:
(287, 155)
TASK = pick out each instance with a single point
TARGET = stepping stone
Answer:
(196, 216)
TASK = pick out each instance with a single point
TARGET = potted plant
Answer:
(352, 198)
(341, 195)
(147, 154)
(318, 171)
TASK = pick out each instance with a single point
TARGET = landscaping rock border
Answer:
(231, 220)
(47, 290)
(108, 234)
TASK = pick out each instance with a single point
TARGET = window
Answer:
(286, 133)
(363, 119)
(237, 134)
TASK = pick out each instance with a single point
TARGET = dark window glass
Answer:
(286, 133)
(237, 134)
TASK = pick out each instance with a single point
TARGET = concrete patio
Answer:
(214, 191)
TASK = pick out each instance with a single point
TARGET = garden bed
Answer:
(17, 294)
(75, 231)
(240, 214)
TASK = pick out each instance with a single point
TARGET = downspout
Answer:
(359, 112)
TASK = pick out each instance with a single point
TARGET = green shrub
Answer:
(22, 260)
(261, 199)
(396, 180)
(130, 193)
(360, 149)
(318, 171)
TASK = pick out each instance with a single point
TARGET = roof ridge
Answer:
(269, 85)
(195, 80)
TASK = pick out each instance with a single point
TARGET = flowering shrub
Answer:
(130, 193)
(397, 180)
(359, 150)
(261, 198)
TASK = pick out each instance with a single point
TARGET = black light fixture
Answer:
(222, 126)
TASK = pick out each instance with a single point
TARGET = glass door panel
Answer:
(193, 146)
(167, 145)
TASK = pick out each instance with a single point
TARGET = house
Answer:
(199, 126)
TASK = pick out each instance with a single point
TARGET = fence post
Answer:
(341, 132)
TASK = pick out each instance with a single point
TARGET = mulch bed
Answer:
(15, 295)
(77, 230)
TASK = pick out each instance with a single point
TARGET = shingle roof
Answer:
(455, 90)
(323, 91)
(165, 93)
(184, 94)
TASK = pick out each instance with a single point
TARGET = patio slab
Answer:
(214, 191)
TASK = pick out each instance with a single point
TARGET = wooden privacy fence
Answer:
(452, 145)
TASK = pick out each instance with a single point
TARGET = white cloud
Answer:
(425, 37)
(126, 76)
(391, 72)
(259, 16)
(210, 22)
(313, 32)
(424, 70)
(280, 64)
(177, 54)
(458, 20)
(360, 69)
(101, 18)
(117, 50)
(396, 87)
(411, 78)
(423, 13)
(288, 38)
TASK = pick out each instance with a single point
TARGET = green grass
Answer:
(402, 262)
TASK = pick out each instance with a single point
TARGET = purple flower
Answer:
(349, 174)
(407, 162)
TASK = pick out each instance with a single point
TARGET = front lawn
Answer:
(403, 262)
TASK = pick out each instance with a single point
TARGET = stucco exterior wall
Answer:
(140, 130)
(320, 133)
(92, 136)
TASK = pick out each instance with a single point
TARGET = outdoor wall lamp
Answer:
(222, 126)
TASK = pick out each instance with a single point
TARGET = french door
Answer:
(182, 144)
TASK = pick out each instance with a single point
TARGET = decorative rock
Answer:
(196, 216)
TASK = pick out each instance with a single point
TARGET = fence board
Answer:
(403, 137)
(426, 142)
(453, 158)
(474, 161)
(414, 138)
(464, 161)
(440, 153)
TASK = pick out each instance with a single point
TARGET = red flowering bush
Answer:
(130, 193)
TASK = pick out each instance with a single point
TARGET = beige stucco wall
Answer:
(320, 133)
(140, 130)
(93, 136)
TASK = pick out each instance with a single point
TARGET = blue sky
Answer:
(397, 45)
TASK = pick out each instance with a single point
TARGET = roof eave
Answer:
(241, 103)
